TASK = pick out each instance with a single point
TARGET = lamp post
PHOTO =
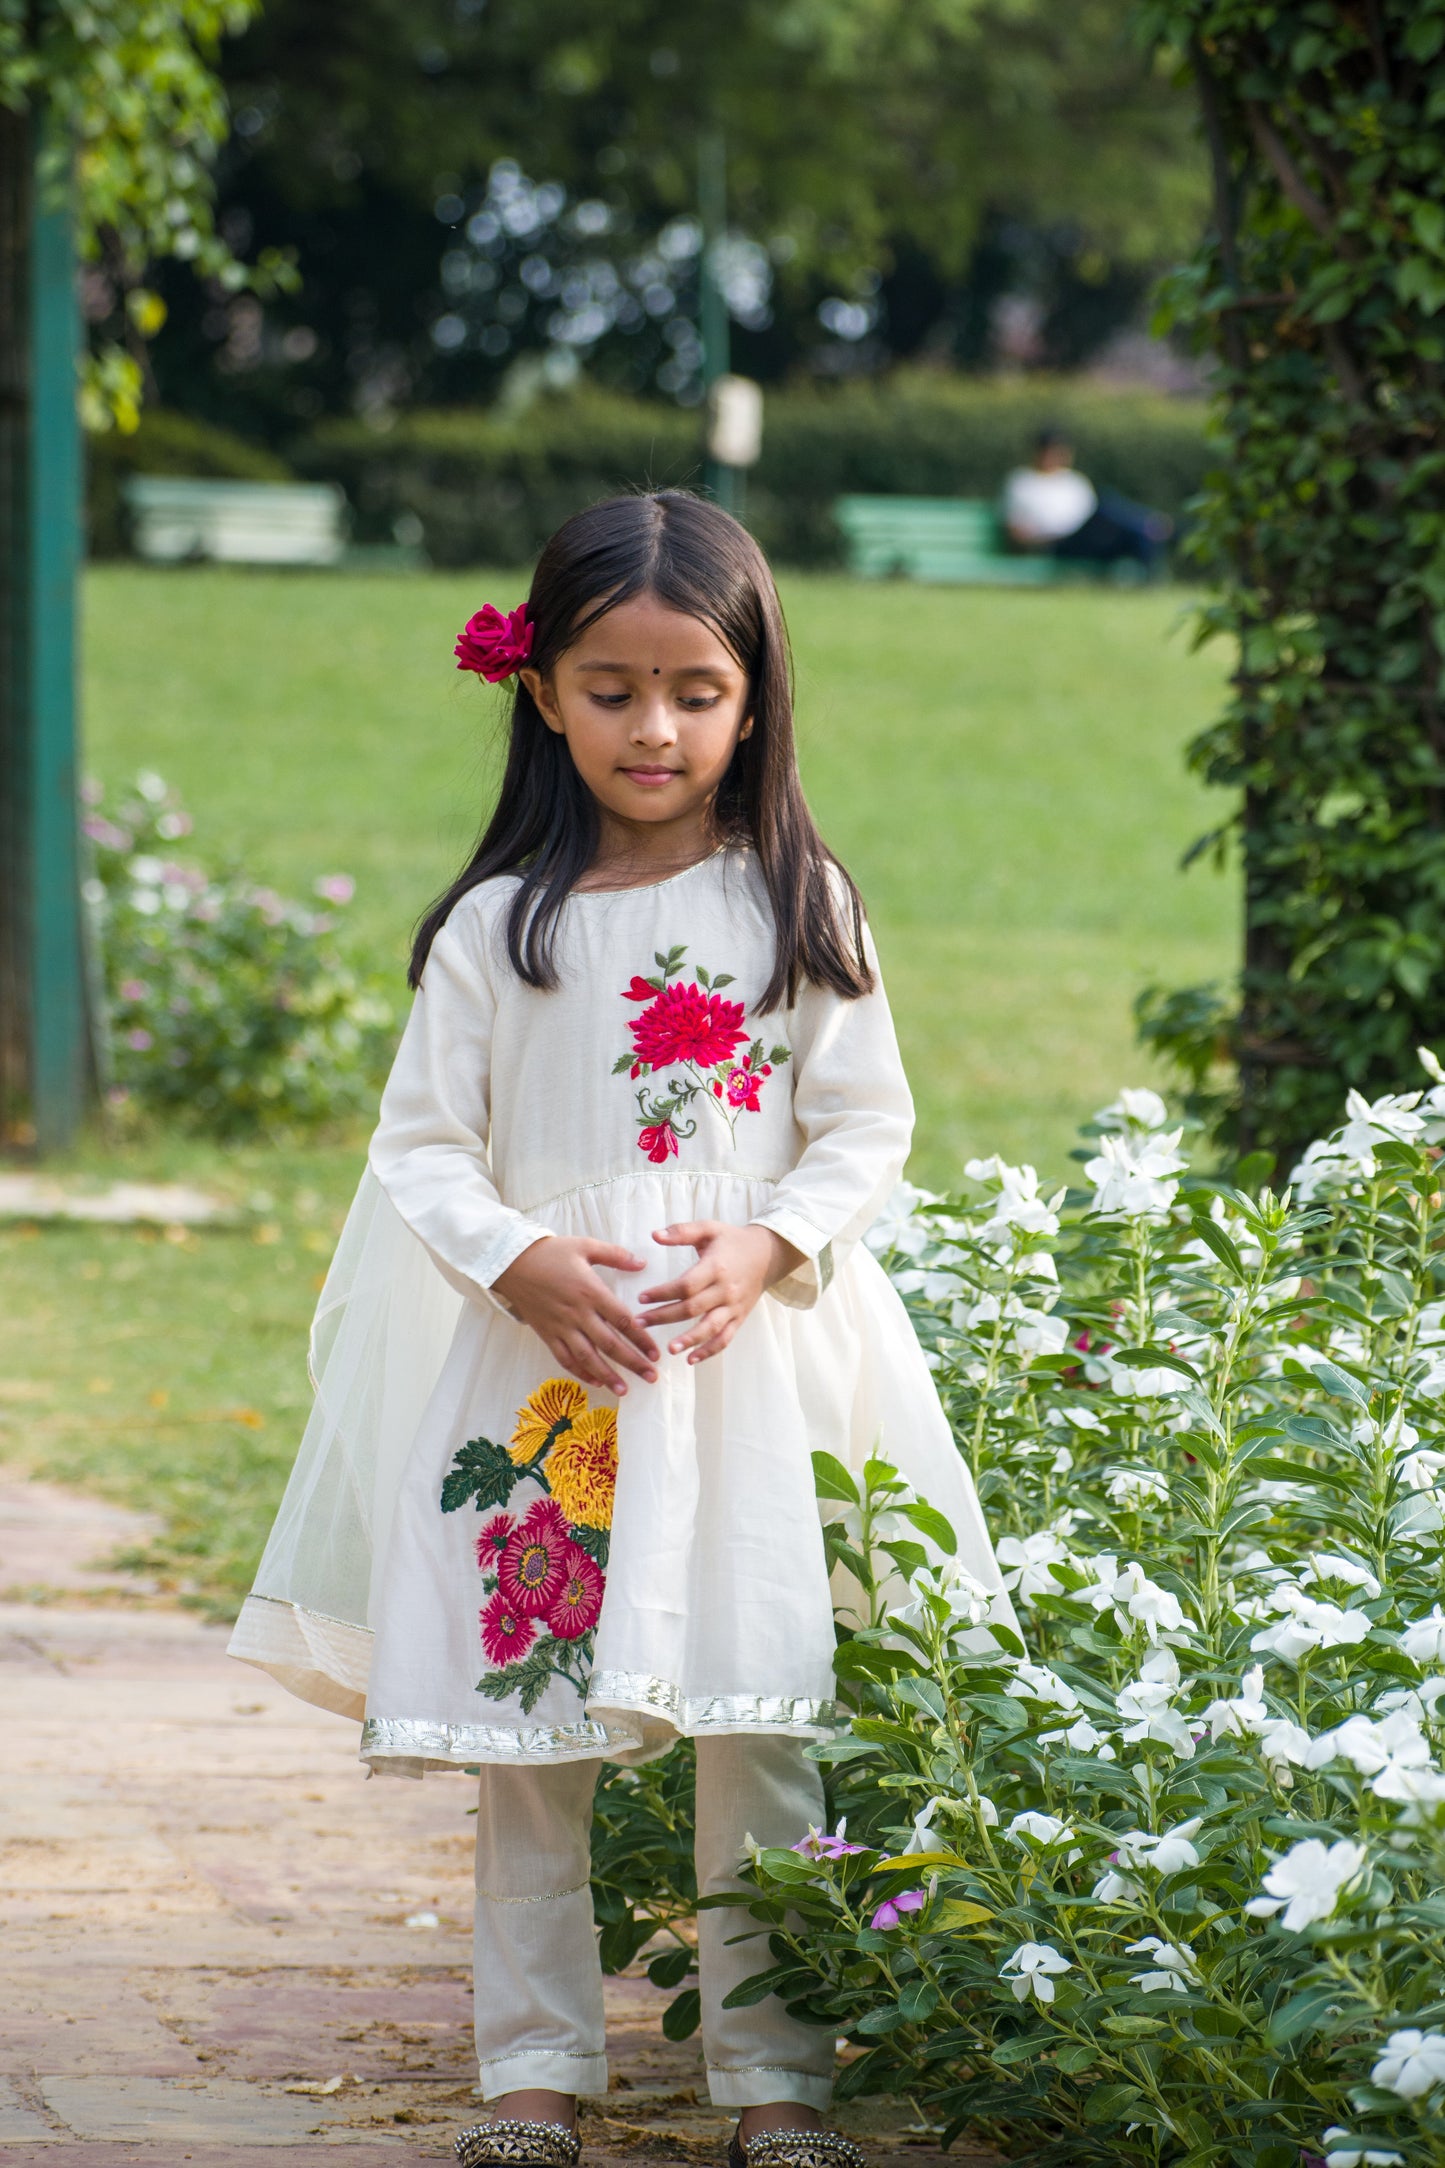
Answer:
(45, 1065)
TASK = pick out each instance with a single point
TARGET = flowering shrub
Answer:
(225, 1003)
(1162, 1879)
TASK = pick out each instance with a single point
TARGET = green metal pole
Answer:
(712, 202)
(59, 1038)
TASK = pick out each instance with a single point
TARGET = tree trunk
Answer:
(45, 1066)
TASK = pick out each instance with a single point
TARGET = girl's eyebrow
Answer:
(689, 669)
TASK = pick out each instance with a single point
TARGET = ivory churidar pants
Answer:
(537, 1977)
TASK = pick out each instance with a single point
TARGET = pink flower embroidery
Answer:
(533, 1567)
(506, 1635)
(689, 1035)
(577, 1607)
(686, 1025)
(493, 1539)
(659, 1141)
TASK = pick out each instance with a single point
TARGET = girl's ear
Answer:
(544, 699)
(747, 729)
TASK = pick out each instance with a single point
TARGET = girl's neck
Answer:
(639, 854)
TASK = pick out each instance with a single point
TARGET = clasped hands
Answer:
(556, 1287)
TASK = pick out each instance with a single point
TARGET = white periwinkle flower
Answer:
(1133, 1174)
(1028, 1561)
(1166, 1853)
(924, 1837)
(1424, 1641)
(1032, 1970)
(1308, 1882)
(1177, 1970)
(1081, 1737)
(1343, 2151)
(1017, 1204)
(1044, 1829)
(1135, 1108)
(1331, 1567)
(1412, 2065)
(1035, 1682)
(1128, 1486)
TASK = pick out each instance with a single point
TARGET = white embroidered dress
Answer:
(515, 1570)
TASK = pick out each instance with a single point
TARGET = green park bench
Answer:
(178, 520)
(947, 539)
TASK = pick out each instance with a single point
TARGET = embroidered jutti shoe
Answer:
(795, 2149)
(522, 2144)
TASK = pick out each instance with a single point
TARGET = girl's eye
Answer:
(611, 700)
(697, 703)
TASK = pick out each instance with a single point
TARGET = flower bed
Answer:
(1162, 1879)
(224, 1003)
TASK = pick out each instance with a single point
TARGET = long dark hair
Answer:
(694, 558)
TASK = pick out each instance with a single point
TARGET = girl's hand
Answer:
(735, 1266)
(554, 1288)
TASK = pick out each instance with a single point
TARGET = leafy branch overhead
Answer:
(133, 102)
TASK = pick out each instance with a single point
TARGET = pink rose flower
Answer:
(493, 645)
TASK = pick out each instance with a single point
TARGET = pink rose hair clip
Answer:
(494, 645)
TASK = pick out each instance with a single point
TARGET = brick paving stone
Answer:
(204, 1907)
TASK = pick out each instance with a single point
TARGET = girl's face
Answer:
(652, 706)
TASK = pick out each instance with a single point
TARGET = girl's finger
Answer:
(708, 1322)
(612, 1347)
(689, 1283)
(623, 1321)
(693, 1298)
(614, 1258)
(716, 1345)
(582, 1359)
(688, 1232)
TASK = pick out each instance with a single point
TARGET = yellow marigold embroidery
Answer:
(554, 1407)
(582, 1468)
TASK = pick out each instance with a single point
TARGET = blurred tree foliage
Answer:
(1321, 295)
(894, 164)
(132, 96)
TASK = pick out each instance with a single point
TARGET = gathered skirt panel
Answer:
(716, 1613)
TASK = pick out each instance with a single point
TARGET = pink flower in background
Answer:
(891, 1911)
(133, 989)
(335, 887)
(494, 645)
(140, 1042)
(106, 833)
(826, 1844)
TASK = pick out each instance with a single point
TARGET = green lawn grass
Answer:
(1000, 770)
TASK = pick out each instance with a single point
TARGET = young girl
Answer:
(601, 1296)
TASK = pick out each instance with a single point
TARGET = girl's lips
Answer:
(650, 777)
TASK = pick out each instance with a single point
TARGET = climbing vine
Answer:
(1320, 294)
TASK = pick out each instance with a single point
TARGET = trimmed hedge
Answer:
(165, 443)
(489, 489)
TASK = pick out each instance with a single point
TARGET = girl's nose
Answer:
(654, 725)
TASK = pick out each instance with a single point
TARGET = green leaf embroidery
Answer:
(594, 1541)
(724, 978)
(482, 1474)
(529, 1678)
(777, 1055)
(625, 1062)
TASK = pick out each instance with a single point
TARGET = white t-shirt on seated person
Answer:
(1044, 506)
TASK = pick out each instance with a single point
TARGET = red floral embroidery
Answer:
(506, 1635)
(580, 1601)
(685, 1024)
(688, 1028)
(533, 1567)
(544, 1572)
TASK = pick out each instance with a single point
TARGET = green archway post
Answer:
(712, 197)
(45, 1064)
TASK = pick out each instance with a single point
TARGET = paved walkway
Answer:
(219, 1939)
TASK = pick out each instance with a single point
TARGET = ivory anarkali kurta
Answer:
(557, 1576)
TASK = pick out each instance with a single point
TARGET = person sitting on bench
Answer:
(1049, 506)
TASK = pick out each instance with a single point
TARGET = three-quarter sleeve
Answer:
(852, 1103)
(430, 1148)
